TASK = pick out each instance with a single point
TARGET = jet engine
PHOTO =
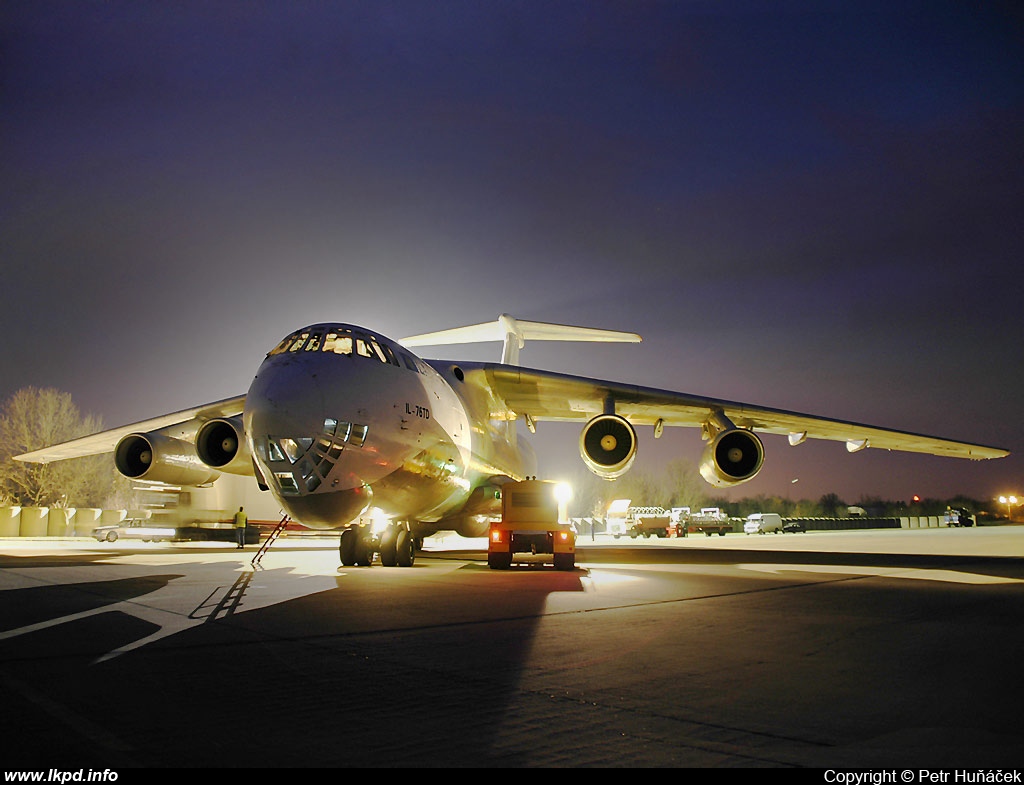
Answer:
(220, 443)
(159, 458)
(608, 445)
(735, 455)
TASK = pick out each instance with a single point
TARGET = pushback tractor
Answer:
(531, 524)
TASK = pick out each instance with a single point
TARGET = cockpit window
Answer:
(292, 343)
(299, 464)
(281, 347)
(358, 435)
(338, 343)
(367, 346)
(340, 340)
(392, 360)
(363, 348)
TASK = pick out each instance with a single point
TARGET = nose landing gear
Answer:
(396, 546)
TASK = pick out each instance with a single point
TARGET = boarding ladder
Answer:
(270, 540)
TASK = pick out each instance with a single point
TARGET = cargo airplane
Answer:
(342, 424)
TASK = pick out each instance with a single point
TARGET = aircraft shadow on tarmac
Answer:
(996, 565)
(348, 667)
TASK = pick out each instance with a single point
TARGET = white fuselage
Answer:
(338, 433)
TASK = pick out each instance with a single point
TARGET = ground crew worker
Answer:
(241, 521)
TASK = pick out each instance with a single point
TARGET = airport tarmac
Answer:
(888, 648)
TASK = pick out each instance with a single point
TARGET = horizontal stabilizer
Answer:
(515, 332)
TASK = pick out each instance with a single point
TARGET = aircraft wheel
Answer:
(364, 551)
(347, 547)
(388, 541)
(405, 548)
(499, 561)
(565, 561)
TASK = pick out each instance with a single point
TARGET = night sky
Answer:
(815, 207)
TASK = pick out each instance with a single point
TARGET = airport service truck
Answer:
(649, 522)
(531, 523)
(710, 520)
(955, 517)
(615, 519)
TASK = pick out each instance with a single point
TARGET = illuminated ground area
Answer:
(881, 649)
(982, 541)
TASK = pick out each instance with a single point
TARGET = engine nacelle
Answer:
(734, 456)
(608, 445)
(158, 458)
(220, 443)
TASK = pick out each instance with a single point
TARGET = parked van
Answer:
(762, 522)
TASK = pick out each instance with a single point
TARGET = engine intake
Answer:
(220, 443)
(734, 456)
(608, 445)
(158, 458)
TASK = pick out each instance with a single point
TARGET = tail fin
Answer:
(515, 332)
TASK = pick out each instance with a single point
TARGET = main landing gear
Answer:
(395, 545)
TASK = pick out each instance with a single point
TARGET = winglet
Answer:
(515, 332)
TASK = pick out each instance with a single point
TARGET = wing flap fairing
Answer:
(550, 396)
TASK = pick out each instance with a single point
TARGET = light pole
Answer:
(1009, 501)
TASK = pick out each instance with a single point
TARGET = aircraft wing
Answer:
(544, 395)
(180, 425)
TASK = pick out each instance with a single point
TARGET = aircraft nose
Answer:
(292, 444)
(281, 403)
(328, 510)
(299, 446)
(270, 418)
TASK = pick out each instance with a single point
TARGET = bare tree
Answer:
(33, 418)
(831, 505)
(679, 484)
(684, 485)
